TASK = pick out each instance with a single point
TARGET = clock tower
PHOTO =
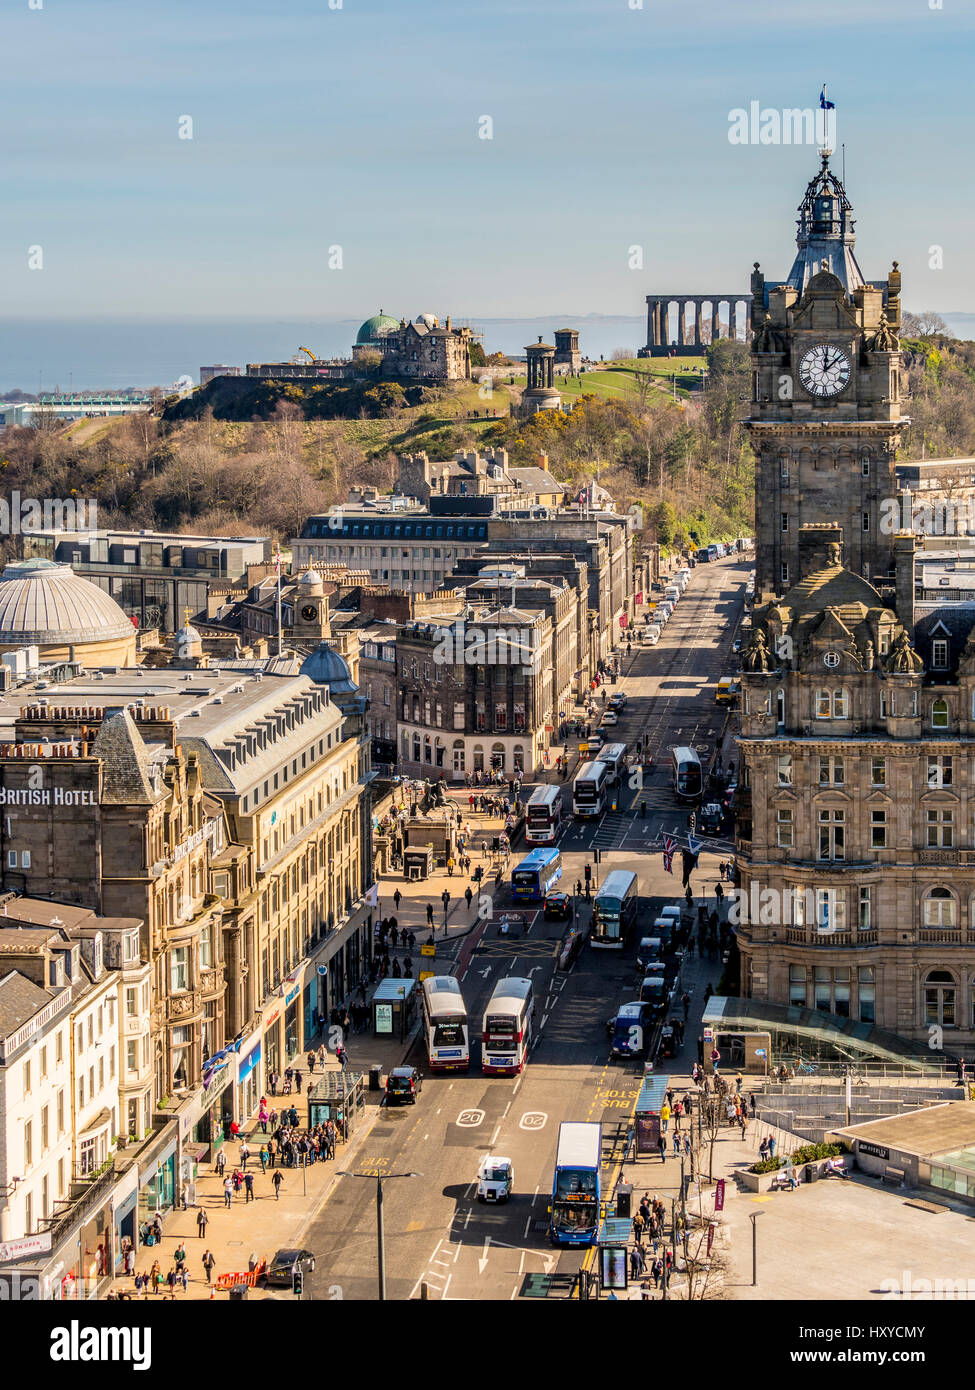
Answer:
(825, 416)
(310, 620)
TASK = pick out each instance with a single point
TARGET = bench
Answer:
(894, 1177)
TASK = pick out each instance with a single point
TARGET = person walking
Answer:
(429, 914)
(298, 1072)
(263, 1156)
(272, 1149)
(277, 1180)
(228, 1192)
(662, 1146)
(248, 1187)
(468, 897)
(208, 1263)
(397, 898)
(220, 1164)
(245, 1154)
(201, 1223)
(262, 1115)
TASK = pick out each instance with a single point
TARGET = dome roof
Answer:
(377, 327)
(326, 666)
(311, 583)
(48, 604)
(430, 320)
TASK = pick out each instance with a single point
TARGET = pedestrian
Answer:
(179, 1255)
(298, 1072)
(262, 1115)
(171, 1281)
(248, 1187)
(277, 1180)
(662, 1146)
(397, 896)
(771, 1146)
(228, 1192)
(201, 1223)
(468, 896)
(208, 1263)
(751, 1103)
(272, 1081)
(245, 1154)
(272, 1149)
(184, 1275)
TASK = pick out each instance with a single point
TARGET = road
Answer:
(440, 1242)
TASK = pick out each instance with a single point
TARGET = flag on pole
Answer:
(372, 895)
(670, 844)
(693, 843)
(826, 105)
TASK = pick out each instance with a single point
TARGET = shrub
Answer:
(768, 1165)
(808, 1153)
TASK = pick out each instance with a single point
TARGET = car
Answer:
(595, 741)
(557, 908)
(711, 818)
(280, 1269)
(617, 701)
(651, 635)
(403, 1085)
(736, 645)
(495, 1178)
(609, 718)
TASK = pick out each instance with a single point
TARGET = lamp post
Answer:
(380, 1228)
(753, 1217)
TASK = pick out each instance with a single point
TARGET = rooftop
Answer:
(936, 1129)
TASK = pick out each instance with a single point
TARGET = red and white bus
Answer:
(543, 816)
(445, 1024)
(507, 1027)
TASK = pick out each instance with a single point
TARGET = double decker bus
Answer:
(507, 1027)
(614, 756)
(543, 816)
(536, 875)
(614, 910)
(589, 790)
(688, 779)
(445, 1024)
(575, 1187)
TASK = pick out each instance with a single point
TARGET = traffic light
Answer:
(587, 872)
(297, 1280)
(692, 821)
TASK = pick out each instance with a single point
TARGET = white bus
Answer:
(614, 756)
(543, 816)
(507, 1027)
(445, 1024)
(589, 790)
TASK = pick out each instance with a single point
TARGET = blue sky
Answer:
(359, 127)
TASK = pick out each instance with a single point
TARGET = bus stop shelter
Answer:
(653, 1094)
(394, 1006)
(338, 1096)
(613, 1238)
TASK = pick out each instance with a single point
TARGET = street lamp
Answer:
(753, 1217)
(380, 1229)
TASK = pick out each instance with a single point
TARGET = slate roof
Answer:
(20, 1000)
(126, 779)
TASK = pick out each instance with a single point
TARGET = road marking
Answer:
(506, 1109)
(518, 1083)
(494, 1136)
(425, 1138)
(528, 1226)
(469, 1215)
(414, 1226)
(533, 1119)
(457, 1253)
(543, 1022)
(535, 1196)
(470, 1119)
(436, 1248)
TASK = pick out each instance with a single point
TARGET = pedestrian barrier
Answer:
(247, 1277)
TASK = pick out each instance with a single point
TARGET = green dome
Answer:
(377, 327)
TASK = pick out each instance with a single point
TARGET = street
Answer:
(440, 1242)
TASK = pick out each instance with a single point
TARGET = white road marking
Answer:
(425, 1138)
(543, 1022)
(506, 1109)
(494, 1136)
(468, 1217)
(457, 1253)
(434, 1255)
(528, 1226)
(535, 1196)
(518, 1083)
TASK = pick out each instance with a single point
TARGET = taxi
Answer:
(495, 1179)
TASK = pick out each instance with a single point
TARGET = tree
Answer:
(477, 356)
(926, 324)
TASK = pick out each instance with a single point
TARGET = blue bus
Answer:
(575, 1188)
(536, 875)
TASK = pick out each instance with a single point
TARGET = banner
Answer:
(719, 1195)
(710, 1236)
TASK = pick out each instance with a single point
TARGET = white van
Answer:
(672, 593)
(651, 635)
(664, 610)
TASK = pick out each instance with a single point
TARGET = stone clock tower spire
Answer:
(825, 416)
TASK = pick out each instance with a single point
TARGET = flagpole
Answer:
(279, 598)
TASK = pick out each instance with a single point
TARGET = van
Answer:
(665, 610)
(672, 593)
(727, 689)
(631, 1033)
(651, 635)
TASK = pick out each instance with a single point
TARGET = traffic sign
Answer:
(428, 950)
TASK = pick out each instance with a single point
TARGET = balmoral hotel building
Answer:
(223, 806)
(856, 828)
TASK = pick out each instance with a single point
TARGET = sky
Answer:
(357, 127)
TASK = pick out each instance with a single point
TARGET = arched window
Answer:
(497, 757)
(518, 758)
(478, 757)
(939, 714)
(939, 998)
(939, 909)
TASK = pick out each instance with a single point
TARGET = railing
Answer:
(940, 936)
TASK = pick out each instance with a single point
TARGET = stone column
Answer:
(651, 324)
(550, 369)
(733, 318)
(697, 323)
(681, 325)
(663, 326)
(715, 322)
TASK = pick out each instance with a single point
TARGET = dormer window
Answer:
(939, 655)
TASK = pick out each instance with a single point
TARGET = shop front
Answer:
(250, 1085)
(125, 1204)
(157, 1175)
(292, 1021)
(209, 1125)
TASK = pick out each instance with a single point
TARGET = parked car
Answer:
(617, 701)
(280, 1269)
(610, 717)
(736, 645)
(403, 1085)
(651, 635)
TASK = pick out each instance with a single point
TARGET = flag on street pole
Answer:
(670, 844)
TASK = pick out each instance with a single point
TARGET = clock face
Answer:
(824, 370)
(309, 613)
